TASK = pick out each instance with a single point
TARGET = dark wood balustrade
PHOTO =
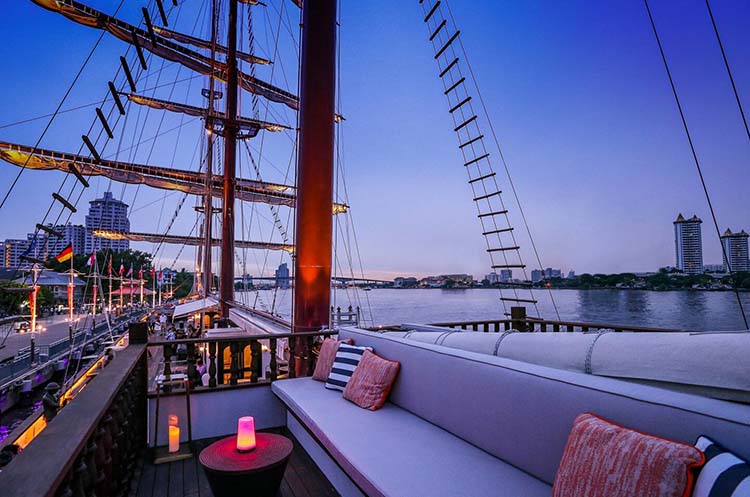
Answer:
(92, 446)
(543, 325)
(234, 360)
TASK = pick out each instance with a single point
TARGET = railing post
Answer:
(256, 361)
(518, 316)
(233, 363)
(274, 362)
(212, 364)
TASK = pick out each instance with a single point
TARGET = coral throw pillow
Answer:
(327, 355)
(602, 459)
(372, 381)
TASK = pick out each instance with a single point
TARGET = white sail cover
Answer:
(712, 364)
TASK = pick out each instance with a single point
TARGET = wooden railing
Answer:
(543, 325)
(91, 447)
(235, 360)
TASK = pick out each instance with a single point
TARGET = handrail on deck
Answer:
(91, 446)
(544, 325)
(239, 359)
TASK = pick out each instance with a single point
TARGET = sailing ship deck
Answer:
(186, 478)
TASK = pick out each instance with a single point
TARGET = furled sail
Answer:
(190, 182)
(206, 44)
(186, 240)
(165, 48)
(154, 176)
(246, 124)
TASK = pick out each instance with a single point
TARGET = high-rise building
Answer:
(107, 213)
(32, 246)
(688, 244)
(735, 251)
(74, 234)
(282, 276)
(506, 275)
(537, 275)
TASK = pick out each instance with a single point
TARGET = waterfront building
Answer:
(74, 234)
(537, 275)
(457, 279)
(282, 276)
(405, 282)
(58, 285)
(506, 275)
(571, 274)
(688, 244)
(107, 213)
(493, 278)
(552, 273)
(735, 251)
(713, 268)
(32, 246)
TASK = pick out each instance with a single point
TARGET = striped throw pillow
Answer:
(604, 459)
(372, 381)
(347, 359)
(326, 356)
(724, 475)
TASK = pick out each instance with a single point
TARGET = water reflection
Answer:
(690, 310)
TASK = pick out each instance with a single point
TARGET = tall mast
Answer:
(208, 278)
(226, 282)
(314, 222)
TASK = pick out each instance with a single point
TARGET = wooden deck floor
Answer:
(186, 478)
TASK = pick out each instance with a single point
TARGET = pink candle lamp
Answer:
(245, 434)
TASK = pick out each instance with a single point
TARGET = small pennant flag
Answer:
(153, 273)
(140, 273)
(122, 269)
(66, 254)
(161, 276)
(92, 260)
(109, 266)
(130, 271)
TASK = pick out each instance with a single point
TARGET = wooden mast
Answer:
(208, 278)
(226, 282)
(314, 222)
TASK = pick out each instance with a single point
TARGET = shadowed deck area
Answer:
(186, 478)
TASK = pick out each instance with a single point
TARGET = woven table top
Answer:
(222, 456)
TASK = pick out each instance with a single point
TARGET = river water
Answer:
(689, 310)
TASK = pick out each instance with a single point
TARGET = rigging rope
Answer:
(729, 70)
(511, 183)
(59, 107)
(695, 157)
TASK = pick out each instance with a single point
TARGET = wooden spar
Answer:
(314, 223)
(226, 282)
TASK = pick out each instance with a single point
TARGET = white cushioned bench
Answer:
(392, 452)
(461, 423)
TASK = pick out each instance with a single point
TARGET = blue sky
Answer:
(576, 91)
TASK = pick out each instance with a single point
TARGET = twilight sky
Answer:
(576, 90)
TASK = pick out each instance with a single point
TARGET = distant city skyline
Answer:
(580, 103)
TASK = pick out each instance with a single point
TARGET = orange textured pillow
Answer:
(327, 356)
(372, 381)
(602, 459)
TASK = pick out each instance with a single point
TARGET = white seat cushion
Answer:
(394, 453)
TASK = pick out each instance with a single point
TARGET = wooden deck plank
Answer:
(176, 484)
(187, 479)
(145, 486)
(161, 481)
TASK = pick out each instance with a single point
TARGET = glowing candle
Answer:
(245, 434)
(174, 439)
(173, 420)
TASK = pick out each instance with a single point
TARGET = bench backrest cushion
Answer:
(523, 413)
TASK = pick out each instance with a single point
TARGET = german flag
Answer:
(66, 254)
